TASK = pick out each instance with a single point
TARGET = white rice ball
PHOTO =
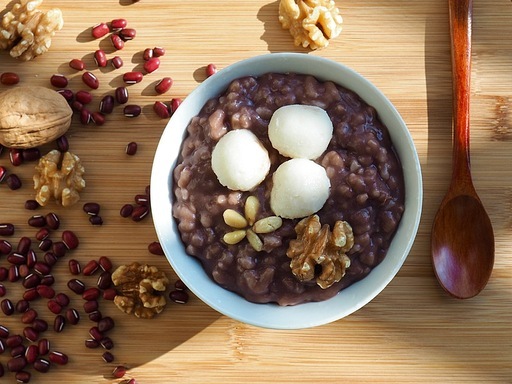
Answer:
(240, 161)
(300, 188)
(300, 131)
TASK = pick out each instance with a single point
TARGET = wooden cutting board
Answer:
(412, 332)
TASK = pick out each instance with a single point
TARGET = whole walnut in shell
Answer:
(32, 116)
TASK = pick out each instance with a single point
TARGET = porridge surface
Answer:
(366, 178)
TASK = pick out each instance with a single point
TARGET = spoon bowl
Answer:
(462, 238)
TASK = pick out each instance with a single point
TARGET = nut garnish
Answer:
(59, 175)
(140, 289)
(317, 245)
(247, 226)
(27, 31)
(311, 22)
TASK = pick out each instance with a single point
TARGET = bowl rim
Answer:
(272, 315)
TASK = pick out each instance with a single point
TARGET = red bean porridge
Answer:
(367, 188)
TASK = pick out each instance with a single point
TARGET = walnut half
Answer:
(27, 31)
(316, 246)
(59, 175)
(140, 289)
(311, 22)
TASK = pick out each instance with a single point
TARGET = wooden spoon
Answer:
(462, 236)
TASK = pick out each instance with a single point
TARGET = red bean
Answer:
(106, 324)
(91, 267)
(45, 291)
(77, 64)
(95, 316)
(119, 371)
(159, 51)
(107, 343)
(155, 248)
(108, 357)
(7, 307)
(37, 221)
(31, 280)
(16, 156)
(17, 364)
(132, 110)
(70, 239)
(83, 97)
(13, 182)
(22, 306)
(74, 267)
(50, 258)
(45, 245)
(30, 294)
(118, 24)
(31, 353)
(52, 220)
(73, 316)
(62, 299)
(180, 297)
(3, 173)
(131, 148)
(211, 70)
(76, 286)
(100, 30)
(152, 65)
(90, 80)
(22, 376)
(117, 41)
(58, 323)
(91, 306)
(43, 346)
(163, 85)
(54, 307)
(41, 365)
(117, 62)
(3, 290)
(175, 103)
(91, 343)
(133, 77)
(30, 334)
(95, 333)
(147, 54)
(85, 116)
(139, 213)
(6, 229)
(105, 263)
(31, 154)
(59, 249)
(47, 280)
(127, 33)
(126, 210)
(180, 285)
(98, 118)
(109, 294)
(121, 95)
(161, 109)
(9, 78)
(62, 143)
(107, 104)
(58, 358)
(96, 220)
(4, 332)
(66, 94)
(42, 268)
(24, 245)
(90, 294)
(104, 280)
(14, 273)
(100, 58)
(5, 247)
(59, 81)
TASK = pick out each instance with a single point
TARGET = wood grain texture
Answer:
(412, 332)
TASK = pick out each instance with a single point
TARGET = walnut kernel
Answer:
(311, 22)
(27, 31)
(140, 289)
(317, 245)
(59, 175)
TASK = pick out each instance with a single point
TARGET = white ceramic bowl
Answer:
(190, 270)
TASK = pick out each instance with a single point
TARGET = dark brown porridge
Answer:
(367, 188)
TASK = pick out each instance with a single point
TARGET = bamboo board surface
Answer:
(412, 332)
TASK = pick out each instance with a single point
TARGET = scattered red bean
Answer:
(100, 58)
(6, 229)
(7, 307)
(3, 173)
(9, 78)
(83, 97)
(155, 248)
(85, 116)
(118, 24)
(59, 81)
(131, 148)
(52, 221)
(147, 54)
(161, 109)
(158, 51)
(163, 85)
(211, 70)
(107, 357)
(59, 248)
(96, 220)
(127, 34)
(175, 103)
(54, 307)
(5, 247)
(91, 343)
(16, 156)
(109, 294)
(77, 64)
(37, 221)
(119, 371)
(62, 299)
(76, 286)
(107, 343)
(117, 41)
(105, 263)
(91, 208)
(58, 323)
(95, 333)
(179, 296)
(31, 205)
(58, 358)
(22, 306)
(90, 80)
(41, 365)
(140, 212)
(31, 353)
(90, 268)
(3, 290)
(45, 291)
(70, 239)
(72, 316)
(43, 347)
(100, 30)
(66, 94)
(133, 77)
(152, 65)
(121, 95)
(104, 280)
(16, 364)
(13, 182)
(95, 316)
(126, 211)
(62, 143)
(90, 294)
(132, 110)
(30, 334)
(98, 118)
(117, 62)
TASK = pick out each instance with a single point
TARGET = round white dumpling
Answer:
(300, 188)
(300, 131)
(240, 161)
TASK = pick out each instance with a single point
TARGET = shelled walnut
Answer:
(317, 245)
(311, 22)
(27, 31)
(59, 175)
(140, 289)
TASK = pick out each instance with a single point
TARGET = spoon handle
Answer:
(461, 13)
